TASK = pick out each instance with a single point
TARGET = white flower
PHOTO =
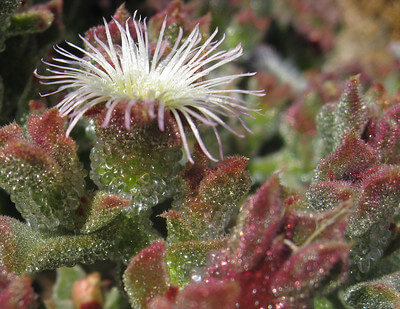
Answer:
(129, 73)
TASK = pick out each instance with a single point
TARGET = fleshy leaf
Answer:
(48, 132)
(184, 256)
(146, 275)
(379, 200)
(209, 208)
(42, 172)
(9, 133)
(325, 123)
(104, 209)
(351, 113)
(226, 184)
(348, 161)
(328, 194)
(307, 268)
(221, 295)
(24, 249)
(328, 225)
(380, 293)
(258, 223)
(387, 138)
(178, 227)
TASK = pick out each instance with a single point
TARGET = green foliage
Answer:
(323, 232)
(380, 293)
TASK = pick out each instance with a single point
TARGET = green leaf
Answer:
(146, 275)
(382, 293)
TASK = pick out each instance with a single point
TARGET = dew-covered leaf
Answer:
(379, 199)
(328, 225)
(105, 207)
(184, 256)
(387, 136)
(328, 194)
(383, 293)
(258, 222)
(307, 269)
(146, 275)
(352, 157)
(24, 249)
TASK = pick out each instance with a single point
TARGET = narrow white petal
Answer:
(198, 137)
(183, 135)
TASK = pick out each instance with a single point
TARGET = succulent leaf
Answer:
(146, 275)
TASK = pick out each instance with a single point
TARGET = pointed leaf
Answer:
(328, 194)
(105, 208)
(351, 113)
(146, 275)
(258, 223)
(387, 138)
(381, 293)
(348, 161)
(309, 267)
(379, 199)
(184, 256)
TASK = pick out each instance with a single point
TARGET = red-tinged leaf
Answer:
(25, 152)
(348, 161)
(387, 137)
(206, 295)
(146, 275)
(48, 132)
(351, 111)
(107, 201)
(104, 209)
(255, 283)
(301, 117)
(233, 167)
(194, 173)
(379, 199)
(212, 200)
(8, 242)
(182, 257)
(259, 221)
(9, 133)
(328, 225)
(380, 293)
(16, 292)
(310, 266)
(178, 228)
(160, 302)
(166, 301)
(226, 185)
(328, 194)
